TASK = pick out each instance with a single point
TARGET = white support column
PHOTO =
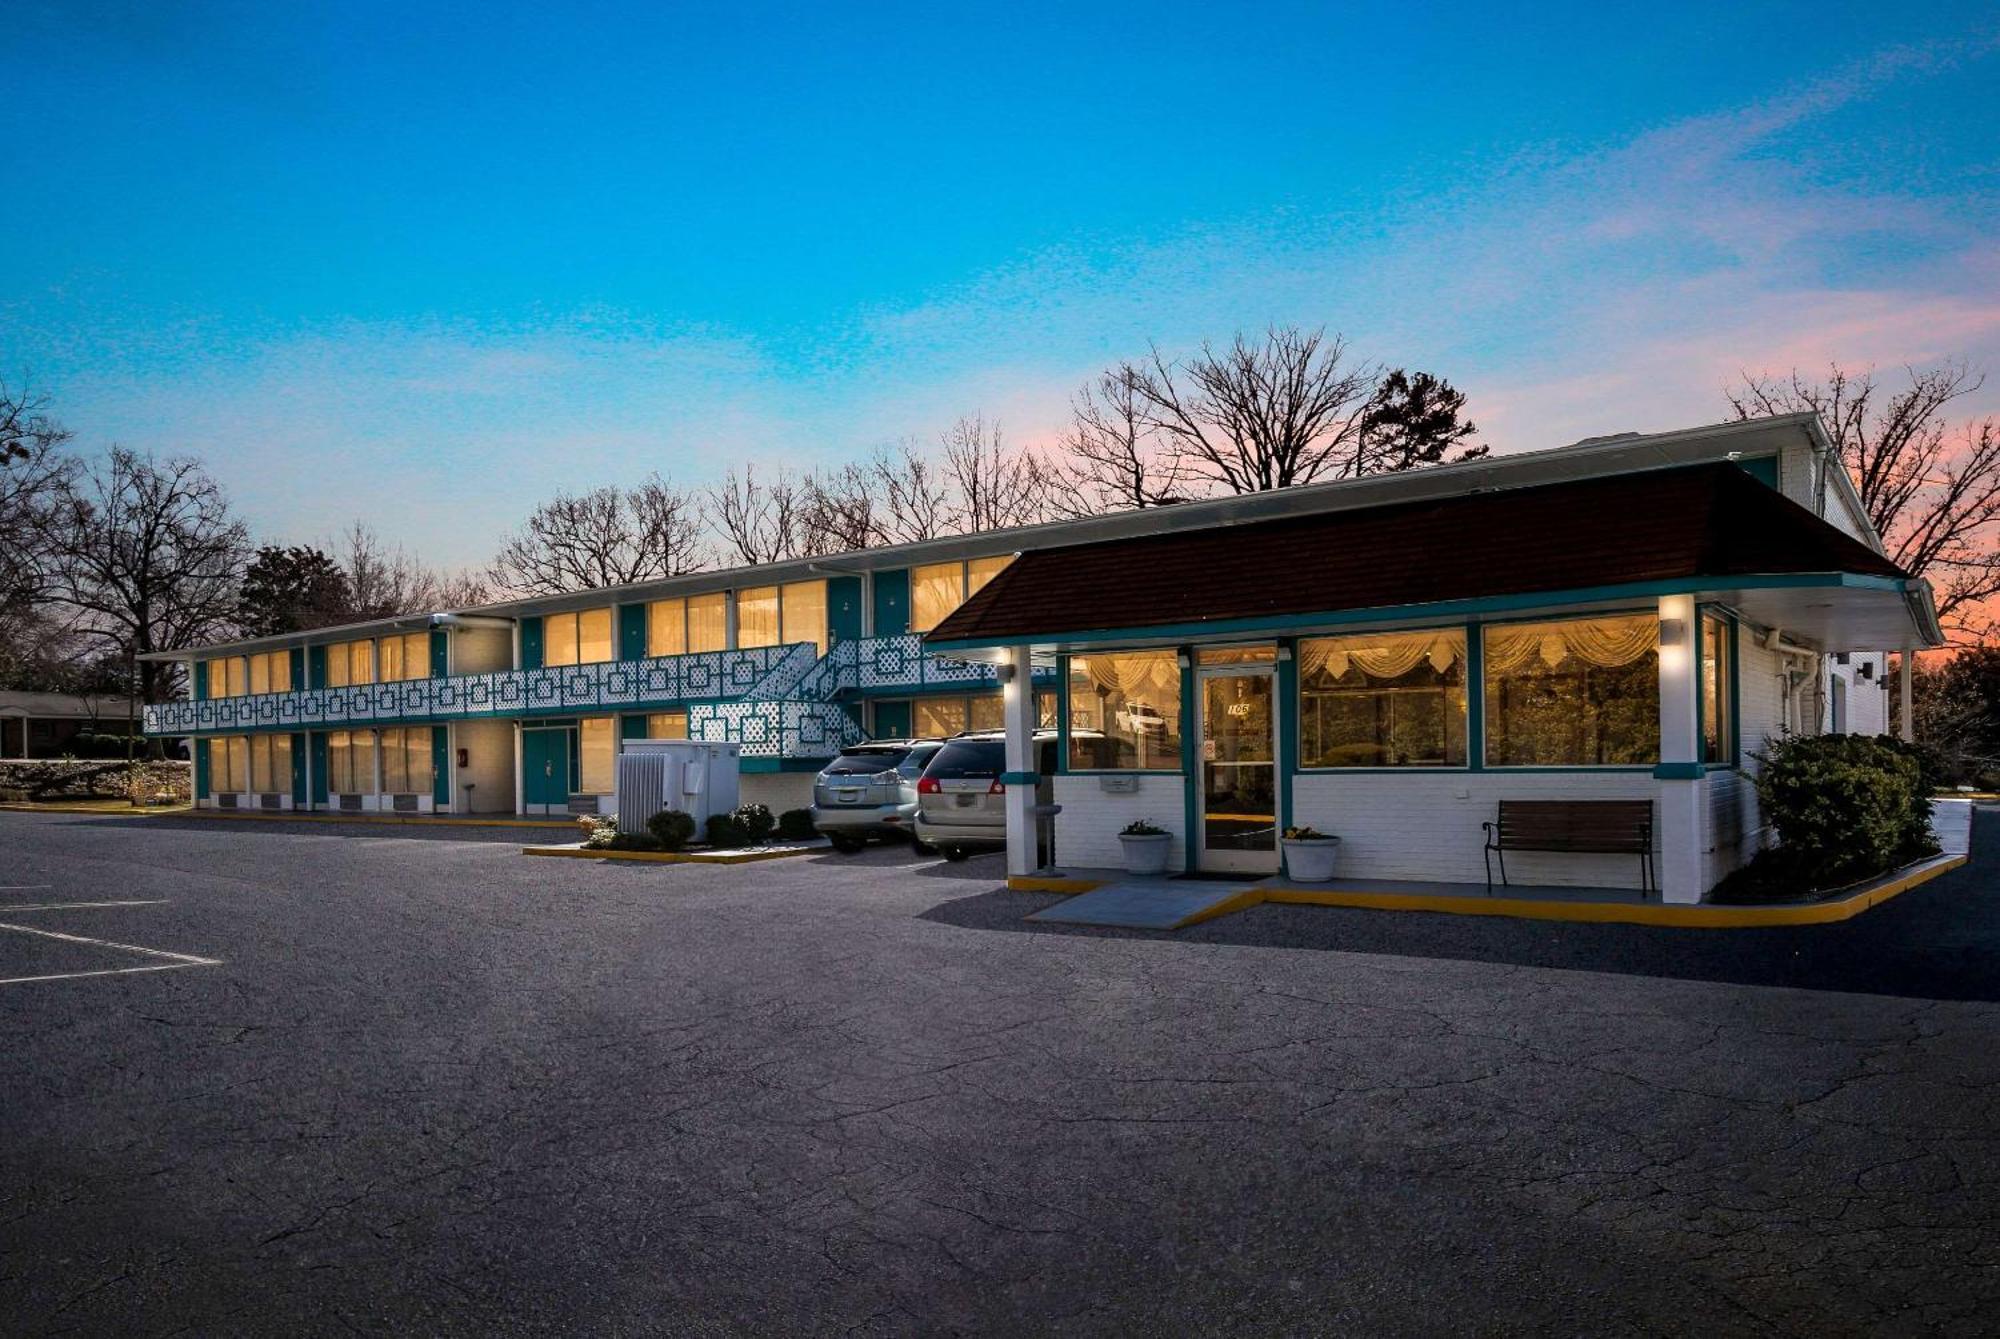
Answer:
(1906, 724)
(1682, 857)
(1017, 698)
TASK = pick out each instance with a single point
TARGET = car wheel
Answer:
(846, 843)
(956, 853)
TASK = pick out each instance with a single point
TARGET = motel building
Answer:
(1384, 660)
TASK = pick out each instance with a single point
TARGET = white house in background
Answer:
(1388, 659)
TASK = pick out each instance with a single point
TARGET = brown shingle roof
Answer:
(1711, 520)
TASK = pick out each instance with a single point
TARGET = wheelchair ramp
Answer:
(1151, 904)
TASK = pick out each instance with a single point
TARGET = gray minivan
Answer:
(961, 805)
(870, 790)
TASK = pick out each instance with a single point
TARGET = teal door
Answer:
(843, 609)
(892, 720)
(545, 767)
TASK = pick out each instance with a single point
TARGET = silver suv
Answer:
(870, 790)
(961, 805)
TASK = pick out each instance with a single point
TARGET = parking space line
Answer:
(65, 906)
(174, 960)
(108, 971)
(24, 887)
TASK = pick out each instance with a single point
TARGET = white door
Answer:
(1238, 762)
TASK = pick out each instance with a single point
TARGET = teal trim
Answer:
(1444, 611)
(1764, 469)
(1127, 771)
(843, 609)
(1287, 707)
(1680, 771)
(531, 643)
(767, 766)
(1403, 771)
(320, 764)
(298, 769)
(631, 632)
(200, 676)
(632, 727)
(1062, 716)
(1700, 692)
(440, 760)
(1020, 778)
(891, 601)
(440, 654)
(1735, 690)
(200, 768)
(1190, 763)
(298, 666)
(1592, 769)
(1475, 699)
(315, 667)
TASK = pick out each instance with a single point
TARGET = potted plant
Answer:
(1309, 854)
(1145, 847)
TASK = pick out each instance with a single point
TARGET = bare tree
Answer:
(35, 476)
(147, 556)
(1931, 487)
(759, 520)
(992, 486)
(839, 512)
(608, 537)
(386, 580)
(914, 493)
(1272, 413)
(1113, 459)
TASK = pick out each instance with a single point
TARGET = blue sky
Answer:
(430, 263)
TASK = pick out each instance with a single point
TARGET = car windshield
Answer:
(867, 762)
(968, 758)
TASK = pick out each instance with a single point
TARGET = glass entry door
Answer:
(1239, 771)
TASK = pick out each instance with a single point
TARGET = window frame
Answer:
(1473, 660)
(1479, 761)
(1065, 749)
(1729, 738)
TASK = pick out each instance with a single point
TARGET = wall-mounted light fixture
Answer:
(1004, 672)
(1182, 660)
(1673, 632)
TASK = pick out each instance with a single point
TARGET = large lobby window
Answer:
(1393, 699)
(1125, 711)
(1582, 692)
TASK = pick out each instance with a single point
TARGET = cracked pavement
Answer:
(436, 1087)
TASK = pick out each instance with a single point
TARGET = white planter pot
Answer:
(1146, 855)
(1311, 861)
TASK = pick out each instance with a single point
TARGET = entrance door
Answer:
(545, 770)
(1239, 770)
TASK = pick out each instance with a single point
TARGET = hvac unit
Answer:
(696, 778)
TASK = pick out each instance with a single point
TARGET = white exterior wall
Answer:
(1426, 825)
(489, 747)
(779, 790)
(1087, 829)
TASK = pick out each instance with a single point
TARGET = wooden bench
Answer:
(1581, 827)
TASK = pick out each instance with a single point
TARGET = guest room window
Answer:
(1718, 705)
(1394, 699)
(1577, 693)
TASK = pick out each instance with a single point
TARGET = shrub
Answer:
(633, 841)
(726, 832)
(1844, 807)
(758, 822)
(671, 828)
(597, 832)
(796, 825)
(1142, 827)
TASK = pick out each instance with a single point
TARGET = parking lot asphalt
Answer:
(430, 1086)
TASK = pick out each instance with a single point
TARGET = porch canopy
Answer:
(1710, 530)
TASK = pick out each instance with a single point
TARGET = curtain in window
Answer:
(708, 622)
(666, 628)
(935, 590)
(1604, 642)
(805, 613)
(757, 616)
(1384, 656)
(1140, 672)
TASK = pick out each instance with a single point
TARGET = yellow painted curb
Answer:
(1699, 917)
(419, 820)
(672, 857)
(127, 812)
